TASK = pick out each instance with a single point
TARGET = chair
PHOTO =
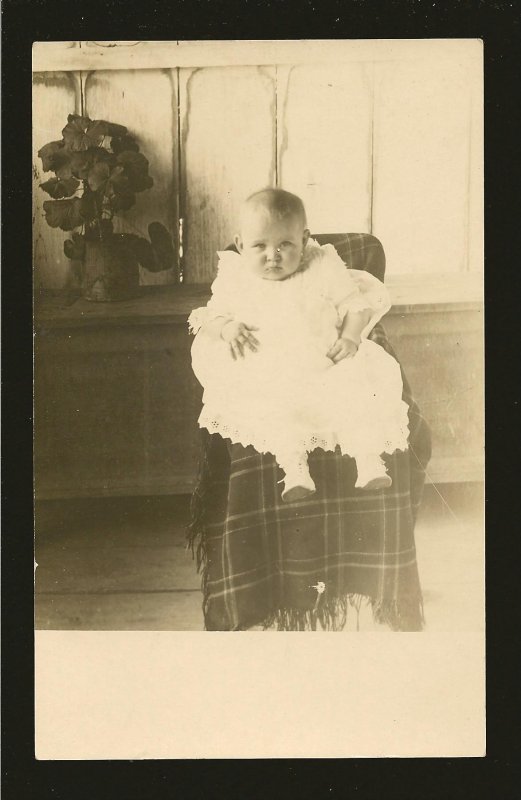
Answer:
(262, 560)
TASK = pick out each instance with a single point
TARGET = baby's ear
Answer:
(305, 237)
(238, 242)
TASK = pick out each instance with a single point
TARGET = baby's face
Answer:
(272, 248)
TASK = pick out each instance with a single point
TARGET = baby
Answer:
(282, 353)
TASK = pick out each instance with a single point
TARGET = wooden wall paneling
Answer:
(324, 142)
(115, 411)
(146, 102)
(421, 164)
(442, 355)
(173, 402)
(89, 412)
(228, 146)
(55, 95)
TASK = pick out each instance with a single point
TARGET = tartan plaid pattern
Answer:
(263, 561)
(357, 250)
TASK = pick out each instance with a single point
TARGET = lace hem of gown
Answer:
(247, 437)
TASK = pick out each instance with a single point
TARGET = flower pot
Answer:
(109, 273)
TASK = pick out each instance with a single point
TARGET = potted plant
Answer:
(98, 170)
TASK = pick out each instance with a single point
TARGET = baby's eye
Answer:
(259, 245)
(286, 244)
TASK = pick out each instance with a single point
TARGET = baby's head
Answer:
(273, 233)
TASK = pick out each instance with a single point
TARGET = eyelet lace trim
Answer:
(308, 443)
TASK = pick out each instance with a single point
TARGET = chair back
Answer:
(357, 250)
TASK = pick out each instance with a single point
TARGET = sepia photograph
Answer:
(258, 336)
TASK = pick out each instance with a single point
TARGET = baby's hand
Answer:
(342, 348)
(239, 336)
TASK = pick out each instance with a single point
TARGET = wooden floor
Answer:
(121, 564)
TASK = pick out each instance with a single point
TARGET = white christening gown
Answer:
(289, 397)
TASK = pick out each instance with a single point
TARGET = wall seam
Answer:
(82, 99)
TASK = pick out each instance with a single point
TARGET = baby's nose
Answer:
(273, 253)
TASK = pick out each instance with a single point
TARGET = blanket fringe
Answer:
(404, 615)
(332, 614)
(195, 533)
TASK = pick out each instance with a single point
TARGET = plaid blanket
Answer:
(305, 564)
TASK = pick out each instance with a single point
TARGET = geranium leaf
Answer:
(123, 201)
(117, 173)
(133, 162)
(113, 129)
(140, 184)
(96, 132)
(48, 152)
(100, 154)
(136, 167)
(80, 163)
(57, 188)
(162, 245)
(88, 207)
(98, 176)
(64, 171)
(69, 186)
(93, 156)
(80, 133)
(72, 118)
(74, 132)
(50, 187)
(144, 253)
(121, 144)
(64, 214)
(74, 248)
(118, 182)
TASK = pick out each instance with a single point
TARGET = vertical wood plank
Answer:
(228, 144)
(421, 164)
(146, 102)
(55, 95)
(324, 143)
